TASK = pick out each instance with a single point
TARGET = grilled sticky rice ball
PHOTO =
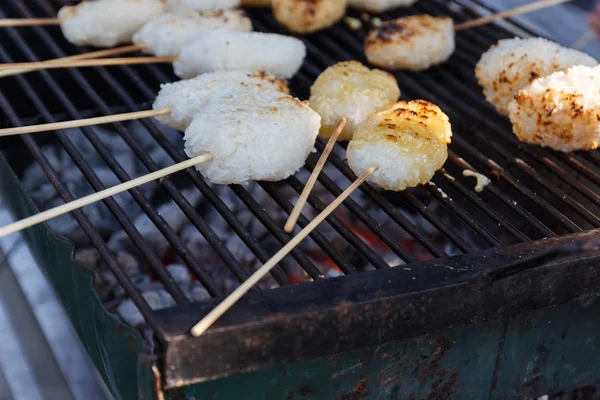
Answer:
(414, 43)
(380, 5)
(511, 64)
(200, 5)
(106, 23)
(220, 50)
(263, 138)
(408, 142)
(349, 89)
(185, 98)
(166, 34)
(561, 110)
(306, 16)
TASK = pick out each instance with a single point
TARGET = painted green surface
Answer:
(115, 348)
(539, 352)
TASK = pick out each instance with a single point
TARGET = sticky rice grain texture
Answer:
(380, 5)
(165, 35)
(263, 138)
(349, 89)
(220, 50)
(106, 23)
(302, 16)
(413, 43)
(201, 5)
(187, 97)
(408, 142)
(512, 64)
(561, 110)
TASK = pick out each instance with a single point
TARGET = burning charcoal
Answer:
(333, 273)
(34, 176)
(202, 250)
(129, 263)
(105, 284)
(181, 275)
(88, 258)
(198, 293)
(142, 136)
(142, 282)
(66, 225)
(43, 194)
(111, 140)
(157, 299)
(172, 215)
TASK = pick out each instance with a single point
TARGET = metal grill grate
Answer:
(536, 193)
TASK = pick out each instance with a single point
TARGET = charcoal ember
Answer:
(43, 194)
(111, 140)
(333, 273)
(34, 176)
(173, 216)
(181, 275)
(198, 293)
(142, 282)
(105, 284)
(129, 264)
(201, 250)
(87, 257)
(157, 299)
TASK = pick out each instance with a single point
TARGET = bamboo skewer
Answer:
(226, 304)
(112, 191)
(538, 5)
(84, 56)
(295, 214)
(7, 22)
(96, 62)
(78, 123)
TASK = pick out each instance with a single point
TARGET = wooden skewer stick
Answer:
(96, 62)
(6, 22)
(112, 191)
(226, 304)
(538, 5)
(295, 214)
(78, 123)
(84, 56)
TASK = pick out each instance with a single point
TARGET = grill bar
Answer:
(410, 85)
(365, 218)
(523, 213)
(407, 197)
(177, 196)
(85, 224)
(462, 214)
(516, 233)
(178, 156)
(95, 182)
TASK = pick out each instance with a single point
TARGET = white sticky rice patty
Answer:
(266, 138)
(186, 97)
(201, 5)
(398, 168)
(349, 89)
(165, 35)
(380, 5)
(512, 64)
(561, 110)
(413, 43)
(221, 50)
(106, 23)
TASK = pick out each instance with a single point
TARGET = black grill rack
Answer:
(516, 237)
